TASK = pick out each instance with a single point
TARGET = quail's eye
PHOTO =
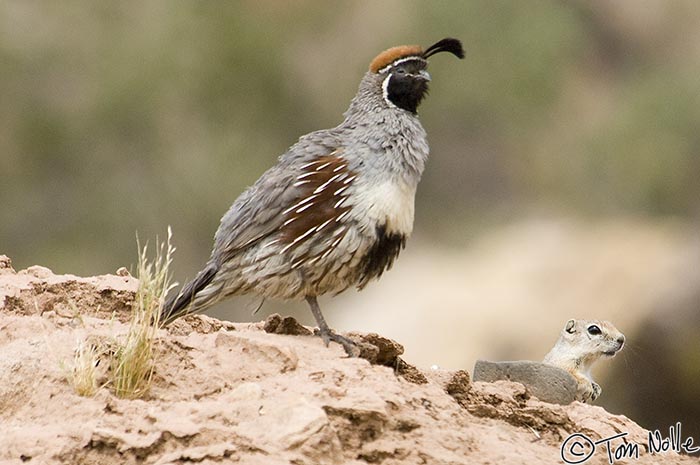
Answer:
(594, 330)
(400, 71)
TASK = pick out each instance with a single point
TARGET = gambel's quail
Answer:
(337, 208)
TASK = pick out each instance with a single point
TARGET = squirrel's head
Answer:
(400, 74)
(594, 337)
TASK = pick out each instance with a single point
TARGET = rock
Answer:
(123, 272)
(247, 392)
(546, 382)
(387, 350)
(37, 271)
(459, 386)
(409, 372)
(265, 355)
(37, 290)
(248, 396)
(275, 324)
(6, 265)
(289, 427)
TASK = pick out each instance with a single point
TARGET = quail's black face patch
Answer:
(409, 66)
(407, 84)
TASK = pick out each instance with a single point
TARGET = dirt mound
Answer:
(253, 393)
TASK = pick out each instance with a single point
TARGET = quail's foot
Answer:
(327, 334)
(348, 344)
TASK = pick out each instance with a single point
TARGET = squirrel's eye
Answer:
(594, 330)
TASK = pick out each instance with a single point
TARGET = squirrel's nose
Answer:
(621, 339)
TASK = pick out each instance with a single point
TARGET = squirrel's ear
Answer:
(570, 326)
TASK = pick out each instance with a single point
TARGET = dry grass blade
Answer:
(82, 372)
(134, 358)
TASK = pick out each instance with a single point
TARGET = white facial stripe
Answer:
(399, 61)
(385, 92)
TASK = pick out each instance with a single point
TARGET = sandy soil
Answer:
(253, 393)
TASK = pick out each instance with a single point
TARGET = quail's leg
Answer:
(325, 332)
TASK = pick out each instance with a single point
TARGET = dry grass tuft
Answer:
(133, 359)
(82, 372)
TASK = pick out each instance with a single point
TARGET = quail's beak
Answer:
(424, 75)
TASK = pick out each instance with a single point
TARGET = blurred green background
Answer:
(125, 117)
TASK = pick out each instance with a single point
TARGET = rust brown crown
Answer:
(389, 56)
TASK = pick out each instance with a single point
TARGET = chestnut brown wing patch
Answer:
(321, 204)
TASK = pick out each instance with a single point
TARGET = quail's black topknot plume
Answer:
(454, 46)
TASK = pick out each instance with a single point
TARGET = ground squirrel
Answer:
(580, 345)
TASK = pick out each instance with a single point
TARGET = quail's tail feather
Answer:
(191, 299)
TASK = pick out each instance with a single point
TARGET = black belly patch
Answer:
(381, 256)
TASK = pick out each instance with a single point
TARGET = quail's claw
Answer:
(351, 349)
